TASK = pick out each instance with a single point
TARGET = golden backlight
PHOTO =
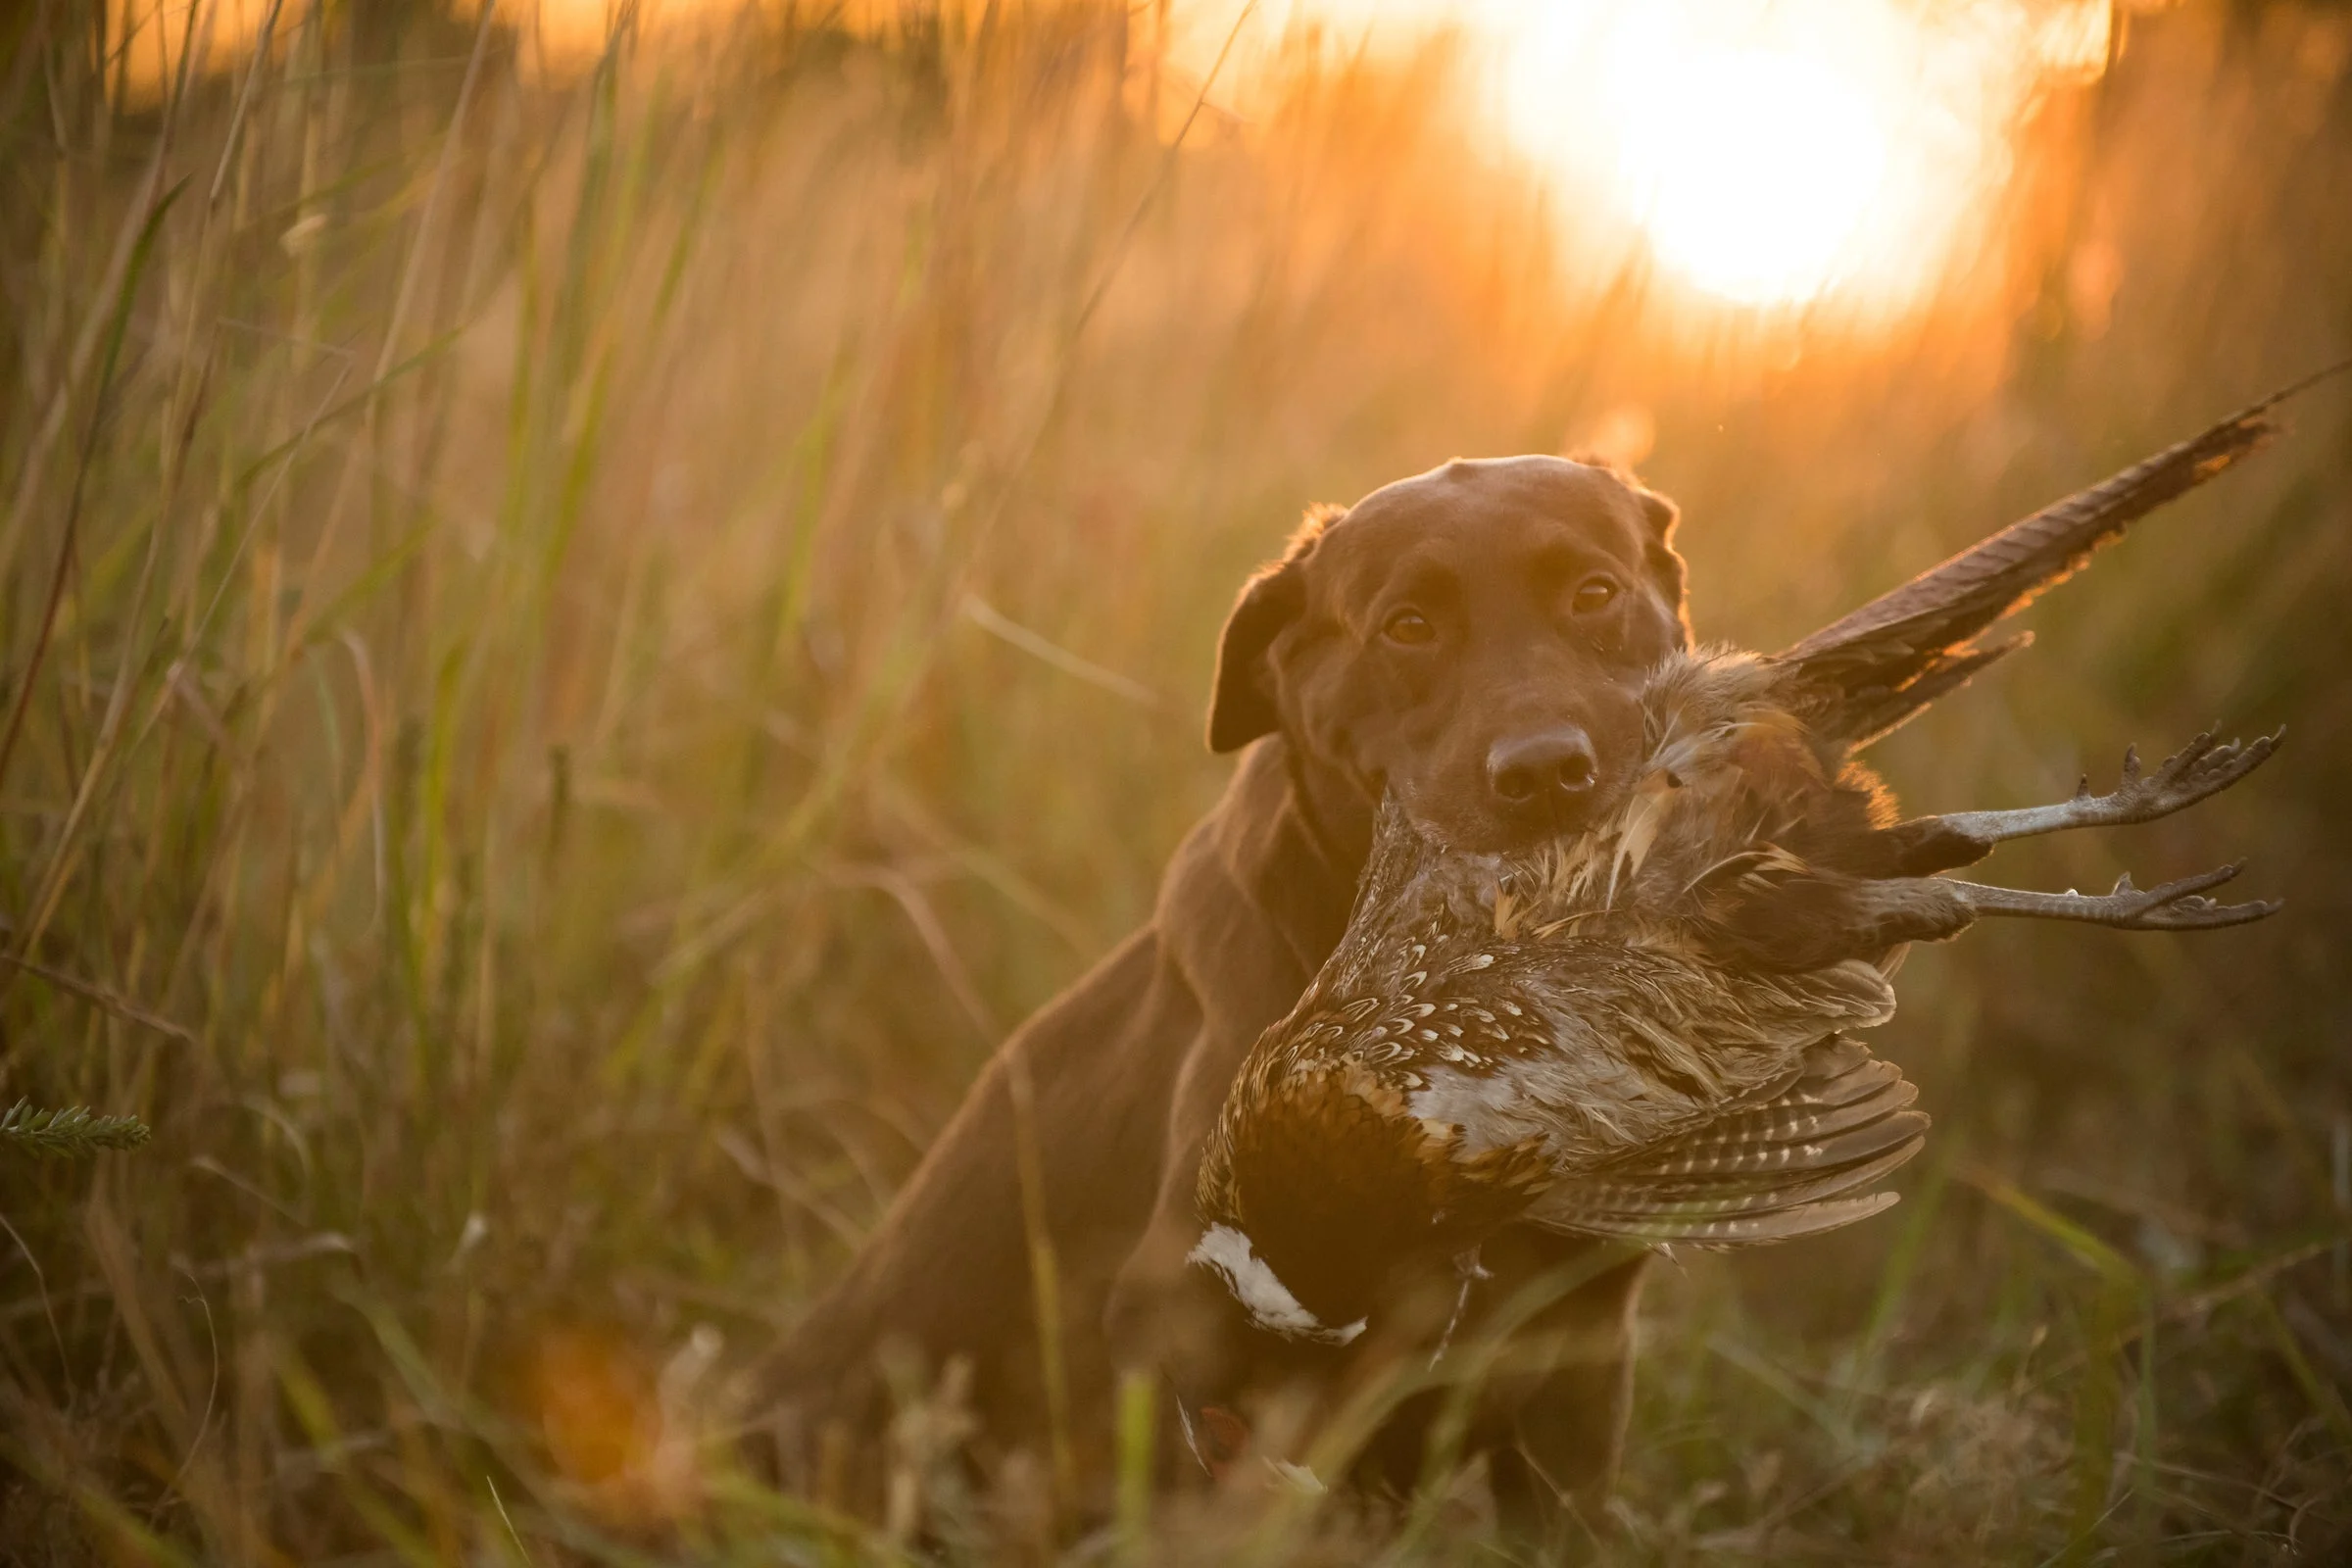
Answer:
(1768, 153)
(1755, 178)
(1772, 152)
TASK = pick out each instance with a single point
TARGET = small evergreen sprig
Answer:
(74, 1134)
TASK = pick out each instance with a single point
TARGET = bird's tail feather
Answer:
(1876, 666)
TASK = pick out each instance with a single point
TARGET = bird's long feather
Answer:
(1737, 1214)
(1876, 666)
(1757, 1171)
(1746, 1230)
(1781, 1163)
(1757, 1140)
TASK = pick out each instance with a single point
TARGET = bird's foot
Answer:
(2197, 771)
(2178, 905)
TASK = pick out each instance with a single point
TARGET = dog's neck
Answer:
(1290, 839)
(1337, 809)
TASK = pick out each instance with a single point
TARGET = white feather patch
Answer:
(1297, 1477)
(1262, 1294)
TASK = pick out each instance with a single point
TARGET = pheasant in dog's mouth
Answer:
(1641, 1032)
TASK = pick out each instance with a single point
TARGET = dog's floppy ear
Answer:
(1241, 705)
(1664, 561)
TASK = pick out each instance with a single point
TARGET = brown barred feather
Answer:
(1874, 668)
(1786, 1225)
(1694, 1204)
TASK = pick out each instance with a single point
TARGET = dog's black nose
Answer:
(1551, 765)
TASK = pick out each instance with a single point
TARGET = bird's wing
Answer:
(1791, 1158)
(1876, 667)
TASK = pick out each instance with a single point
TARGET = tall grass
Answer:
(575, 648)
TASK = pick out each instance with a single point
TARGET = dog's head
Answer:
(1473, 639)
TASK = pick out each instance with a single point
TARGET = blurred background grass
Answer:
(583, 625)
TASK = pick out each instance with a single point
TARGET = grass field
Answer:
(575, 644)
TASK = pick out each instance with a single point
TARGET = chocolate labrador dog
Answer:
(1473, 638)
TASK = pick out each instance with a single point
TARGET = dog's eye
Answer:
(1408, 626)
(1594, 593)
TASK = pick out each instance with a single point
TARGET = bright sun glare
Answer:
(1777, 151)
(1767, 152)
(1753, 185)
(1771, 152)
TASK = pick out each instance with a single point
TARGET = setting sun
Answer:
(1754, 183)
(1775, 154)
(1765, 153)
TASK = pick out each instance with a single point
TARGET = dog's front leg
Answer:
(1165, 1318)
(1557, 1430)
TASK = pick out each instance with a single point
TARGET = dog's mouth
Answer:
(1568, 820)
(1479, 829)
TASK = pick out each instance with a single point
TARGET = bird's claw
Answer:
(2197, 772)
(2180, 905)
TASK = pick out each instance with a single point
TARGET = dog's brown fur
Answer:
(1125, 1071)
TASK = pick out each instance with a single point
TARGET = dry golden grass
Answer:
(586, 644)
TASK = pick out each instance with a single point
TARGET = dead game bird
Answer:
(1642, 1030)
